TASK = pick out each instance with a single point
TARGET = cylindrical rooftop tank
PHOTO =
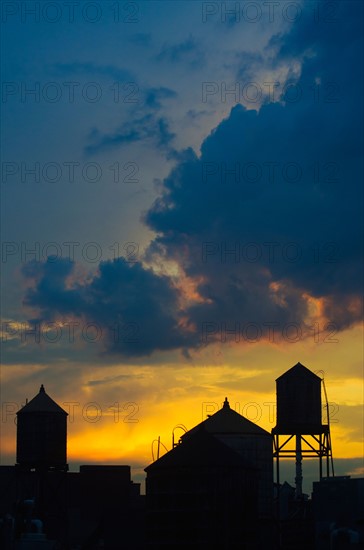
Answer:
(42, 433)
(299, 402)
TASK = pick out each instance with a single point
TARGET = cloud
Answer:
(187, 52)
(136, 311)
(154, 95)
(265, 225)
(194, 114)
(292, 214)
(147, 128)
(144, 125)
(112, 379)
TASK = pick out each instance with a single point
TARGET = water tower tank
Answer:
(42, 433)
(298, 402)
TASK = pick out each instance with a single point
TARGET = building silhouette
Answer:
(213, 489)
(338, 509)
(251, 442)
(43, 506)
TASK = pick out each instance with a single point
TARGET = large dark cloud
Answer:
(311, 197)
(136, 311)
(294, 213)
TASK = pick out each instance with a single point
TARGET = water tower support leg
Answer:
(277, 460)
(327, 457)
(320, 456)
(278, 508)
(298, 479)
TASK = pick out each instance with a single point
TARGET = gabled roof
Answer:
(228, 421)
(201, 449)
(42, 403)
(298, 370)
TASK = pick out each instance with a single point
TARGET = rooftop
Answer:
(201, 449)
(228, 421)
(42, 403)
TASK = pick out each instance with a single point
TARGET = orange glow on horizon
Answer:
(183, 391)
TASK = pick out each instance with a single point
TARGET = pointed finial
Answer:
(42, 390)
(226, 403)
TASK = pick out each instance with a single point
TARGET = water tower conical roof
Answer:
(298, 370)
(42, 403)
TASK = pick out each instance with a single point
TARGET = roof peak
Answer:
(226, 404)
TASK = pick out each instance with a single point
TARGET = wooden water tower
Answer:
(41, 456)
(299, 422)
(42, 434)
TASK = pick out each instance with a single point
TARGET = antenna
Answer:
(328, 425)
(322, 373)
(158, 449)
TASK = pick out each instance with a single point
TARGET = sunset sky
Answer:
(182, 216)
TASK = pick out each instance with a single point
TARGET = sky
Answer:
(182, 216)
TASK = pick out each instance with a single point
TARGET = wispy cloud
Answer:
(188, 52)
(147, 128)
